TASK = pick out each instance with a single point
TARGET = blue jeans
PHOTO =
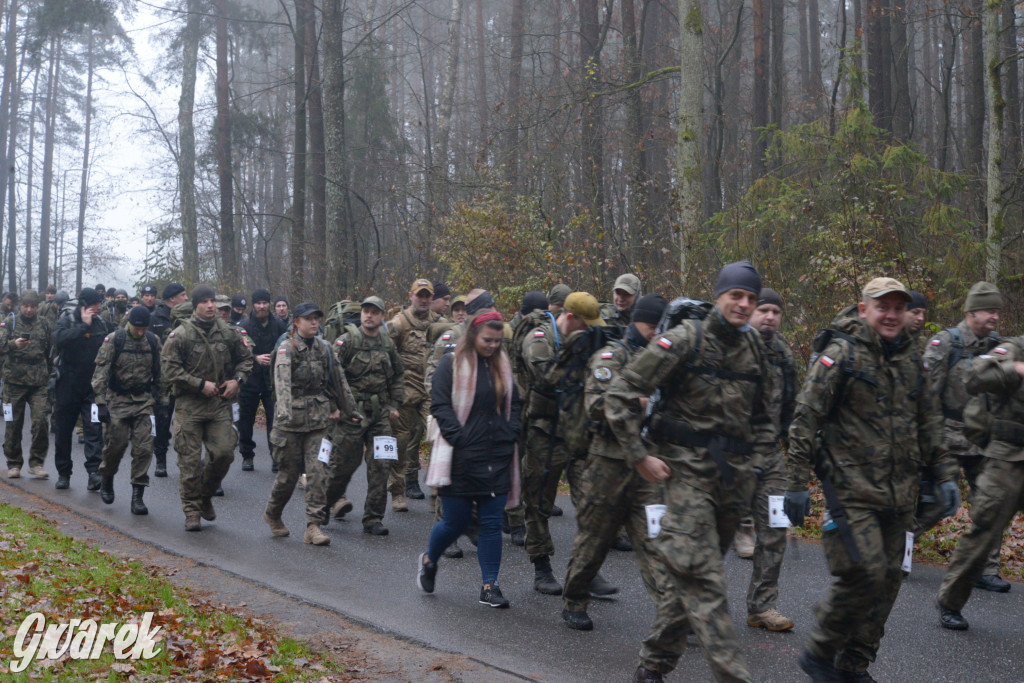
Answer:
(457, 512)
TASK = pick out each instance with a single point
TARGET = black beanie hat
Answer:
(260, 295)
(533, 301)
(917, 300)
(202, 293)
(89, 297)
(100, 288)
(238, 301)
(173, 289)
(139, 316)
(738, 275)
(769, 296)
(648, 309)
(441, 290)
(281, 298)
(484, 300)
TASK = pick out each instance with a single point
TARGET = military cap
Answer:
(307, 309)
(881, 286)
(585, 307)
(373, 301)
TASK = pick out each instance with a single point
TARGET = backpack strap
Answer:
(957, 353)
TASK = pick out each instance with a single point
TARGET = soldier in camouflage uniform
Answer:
(125, 382)
(949, 358)
(205, 361)
(310, 392)
(50, 309)
(867, 396)
(998, 491)
(408, 330)
(624, 293)
(115, 313)
(614, 494)
(709, 428)
(375, 375)
(917, 312)
(161, 325)
(546, 456)
(25, 342)
(770, 544)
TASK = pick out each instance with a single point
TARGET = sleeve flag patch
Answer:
(606, 355)
(1000, 350)
(936, 341)
(665, 343)
(538, 333)
(826, 361)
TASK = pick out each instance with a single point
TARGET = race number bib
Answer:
(908, 554)
(234, 412)
(95, 412)
(777, 519)
(385, 448)
(654, 515)
(324, 455)
(8, 412)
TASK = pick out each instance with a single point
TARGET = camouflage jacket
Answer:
(191, 356)
(445, 344)
(49, 310)
(720, 388)
(373, 368)
(879, 423)
(127, 386)
(616, 318)
(304, 394)
(950, 383)
(995, 374)
(603, 368)
(409, 332)
(539, 349)
(782, 400)
(29, 366)
(115, 317)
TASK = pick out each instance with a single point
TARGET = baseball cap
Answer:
(628, 283)
(222, 301)
(881, 286)
(421, 284)
(149, 289)
(306, 309)
(584, 306)
(373, 301)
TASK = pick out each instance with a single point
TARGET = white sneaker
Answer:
(39, 472)
(14, 473)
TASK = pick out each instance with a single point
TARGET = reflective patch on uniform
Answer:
(602, 374)
(665, 343)
(827, 362)
(606, 355)
(936, 341)
(1000, 350)
(538, 333)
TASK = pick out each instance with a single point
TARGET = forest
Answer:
(331, 148)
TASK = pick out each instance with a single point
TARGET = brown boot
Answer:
(277, 527)
(744, 541)
(315, 536)
(398, 503)
(207, 511)
(192, 522)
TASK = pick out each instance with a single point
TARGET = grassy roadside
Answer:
(42, 570)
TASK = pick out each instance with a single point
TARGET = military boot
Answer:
(207, 511)
(107, 490)
(413, 490)
(277, 527)
(543, 579)
(247, 465)
(744, 541)
(398, 503)
(341, 508)
(642, 675)
(161, 466)
(138, 507)
(315, 536)
(192, 522)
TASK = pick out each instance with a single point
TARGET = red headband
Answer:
(486, 318)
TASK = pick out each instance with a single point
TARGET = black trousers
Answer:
(249, 399)
(162, 440)
(65, 416)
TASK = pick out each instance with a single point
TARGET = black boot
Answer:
(138, 507)
(95, 481)
(543, 579)
(413, 490)
(107, 490)
(161, 466)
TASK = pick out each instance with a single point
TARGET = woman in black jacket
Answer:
(476, 407)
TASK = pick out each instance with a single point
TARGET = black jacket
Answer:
(483, 447)
(77, 345)
(263, 338)
(160, 323)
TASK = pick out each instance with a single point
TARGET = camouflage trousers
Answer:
(614, 494)
(689, 571)
(851, 619)
(136, 429)
(928, 515)
(770, 544)
(292, 450)
(20, 396)
(539, 491)
(352, 445)
(410, 430)
(198, 422)
(999, 496)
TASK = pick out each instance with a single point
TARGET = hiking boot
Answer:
(315, 536)
(277, 527)
(95, 481)
(339, 509)
(247, 465)
(601, 588)
(398, 503)
(543, 579)
(207, 512)
(622, 544)
(425, 573)
(556, 511)
(744, 541)
(413, 490)
(63, 481)
(39, 472)
(192, 522)
(453, 552)
(161, 466)
(989, 582)
(138, 507)
(376, 529)
(578, 621)
(302, 481)
(518, 535)
(107, 490)
(491, 596)
(643, 675)
(14, 473)
(771, 619)
(951, 618)
(819, 669)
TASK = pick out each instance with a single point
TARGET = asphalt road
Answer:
(372, 580)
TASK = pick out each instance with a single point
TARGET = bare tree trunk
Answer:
(30, 177)
(814, 37)
(298, 237)
(636, 173)
(949, 49)
(900, 83)
(805, 52)
(12, 185)
(1012, 141)
(229, 259)
(9, 113)
(514, 94)
(759, 105)
(591, 134)
(339, 220)
(691, 123)
(83, 195)
(878, 68)
(481, 85)
(316, 255)
(778, 62)
(187, 143)
(974, 88)
(50, 135)
(994, 180)
(447, 98)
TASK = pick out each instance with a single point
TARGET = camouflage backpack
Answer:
(340, 314)
(526, 326)
(979, 419)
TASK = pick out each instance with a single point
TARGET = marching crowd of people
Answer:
(681, 428)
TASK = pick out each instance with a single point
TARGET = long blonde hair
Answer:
(465, 350)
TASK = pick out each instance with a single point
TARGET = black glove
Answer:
(104, 414)
(797, 505)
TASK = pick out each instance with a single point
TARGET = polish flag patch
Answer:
(106, 339)
(936, 341)
(665, 343)
(826, 361)
(446, 336)
(538, 333)
(340, 342)
(607, 355)
(1000, 350)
